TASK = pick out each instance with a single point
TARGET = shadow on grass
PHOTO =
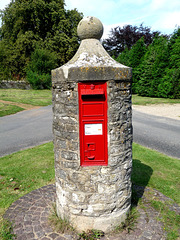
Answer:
(140, 177)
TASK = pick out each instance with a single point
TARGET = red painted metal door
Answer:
(93, 123)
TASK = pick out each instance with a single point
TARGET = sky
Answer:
(160, 15)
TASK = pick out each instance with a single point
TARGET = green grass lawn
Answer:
(138, 100)
(33, 97)
(7, 109)
(156, 170)
(24, 171)
(30, 97)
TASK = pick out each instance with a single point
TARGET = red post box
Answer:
(93, 123)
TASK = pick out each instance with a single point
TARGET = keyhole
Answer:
(92, 86)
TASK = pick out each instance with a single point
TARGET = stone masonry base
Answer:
(103, 223)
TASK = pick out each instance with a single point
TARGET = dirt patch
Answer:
(163, 110)
(25, 106)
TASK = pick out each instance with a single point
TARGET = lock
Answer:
(93, 123)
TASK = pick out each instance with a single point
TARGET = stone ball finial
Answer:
(90, 27)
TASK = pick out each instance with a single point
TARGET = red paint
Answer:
(93, 123)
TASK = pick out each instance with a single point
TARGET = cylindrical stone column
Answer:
(92, 197)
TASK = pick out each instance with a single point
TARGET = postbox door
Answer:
(93, 123)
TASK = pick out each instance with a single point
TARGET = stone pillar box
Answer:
(92, 102)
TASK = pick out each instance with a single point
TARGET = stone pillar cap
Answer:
(90, 27)
(91, 61)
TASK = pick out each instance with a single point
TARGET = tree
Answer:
(153, 67)
(0, 34)
(28, 24)
(170, 84)
(126, 37)
(133, 58)
(123, 57)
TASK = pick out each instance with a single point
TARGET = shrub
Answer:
(39, 68)
(39, 81)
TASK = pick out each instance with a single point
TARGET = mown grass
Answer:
(33, 97)
(156, 170)
(138, 100)
(24, 171)
(8, 109)
(18, 96)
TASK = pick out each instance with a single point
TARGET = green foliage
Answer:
(5, 73)
(39, 81)
(133, 58)
(161, 68)
(39, 68)
(43, 23)
(137, 53)
(174, 36)
(42, 61)
(153, 67)
(156, 67)
(123, 58)
(170, 84)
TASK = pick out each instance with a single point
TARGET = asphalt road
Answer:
(29, 128)
(159, 133)
(25, 129)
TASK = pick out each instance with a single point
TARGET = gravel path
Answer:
(163, 110)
